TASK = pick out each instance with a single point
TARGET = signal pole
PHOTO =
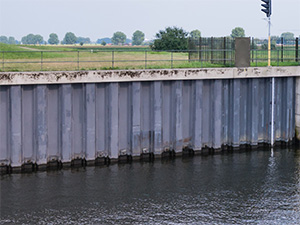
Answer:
(268, 11)
(269, 41)
(273, 85)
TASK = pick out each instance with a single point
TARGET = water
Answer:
(240, 188)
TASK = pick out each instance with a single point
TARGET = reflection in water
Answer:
(249, 187)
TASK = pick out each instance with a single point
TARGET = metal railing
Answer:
(104, 60)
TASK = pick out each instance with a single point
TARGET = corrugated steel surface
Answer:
(298, 107)
(40, 123)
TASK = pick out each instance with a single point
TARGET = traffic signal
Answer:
(266, 7)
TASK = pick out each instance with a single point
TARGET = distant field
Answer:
(98, 57)
(77, 47)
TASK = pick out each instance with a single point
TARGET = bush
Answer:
(173, 38)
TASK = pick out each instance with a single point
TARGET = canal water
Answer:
(256, 187)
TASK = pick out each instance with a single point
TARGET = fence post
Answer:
(146, 59)
(212, 47)
(189, 48)
(171, 59)
(224, 50)
(189, 53)
(3, 61)
(112, 59)
(252, 49)
(282, 49)
(256, 57)
(200, 48)
(232, 52)
(41, 60)
(78, 60)
(297, 49)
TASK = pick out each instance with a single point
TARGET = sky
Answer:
(101, 18)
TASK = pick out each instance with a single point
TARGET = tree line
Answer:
(8, 40)
(119, 38)
(172, 38)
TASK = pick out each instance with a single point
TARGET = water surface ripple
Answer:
(241, 188)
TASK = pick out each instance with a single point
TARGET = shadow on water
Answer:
(257, 186)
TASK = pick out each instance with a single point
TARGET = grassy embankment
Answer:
(97, 57)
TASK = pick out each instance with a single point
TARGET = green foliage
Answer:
(28, 39)
(237, 32)
(32, 39)
(83, 40)
(3, 39)
(39, 39)
(53, 39)
(265, 46)
(275, 39)
(263, 64)
(7, 47)
(138, 37)
(195, 34)
(118, 38)
(103, 43)
(287, 35)
(173, 38)
(106, 40)
(70, 38)
(11, 41)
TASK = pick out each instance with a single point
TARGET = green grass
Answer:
(263, 64)
(97, 57)
(18, 52)
(6, 47)
(176, 65)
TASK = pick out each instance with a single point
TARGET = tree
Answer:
(265, 46)
(238, 32)
(28, 39)
(53, 39)
(172, 38)
(11, 41)
(3, 39)
(70, 38)
(195, 34)
(32, 39)
(118, 38)
(106, 40)
(287, 36)
(275, 40)
(83, 40)
(38, 39)
(138, 37)
(103, 43)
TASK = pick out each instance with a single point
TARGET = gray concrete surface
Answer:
(23, 78)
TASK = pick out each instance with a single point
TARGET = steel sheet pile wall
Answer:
(42, 123)
(298, 108)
